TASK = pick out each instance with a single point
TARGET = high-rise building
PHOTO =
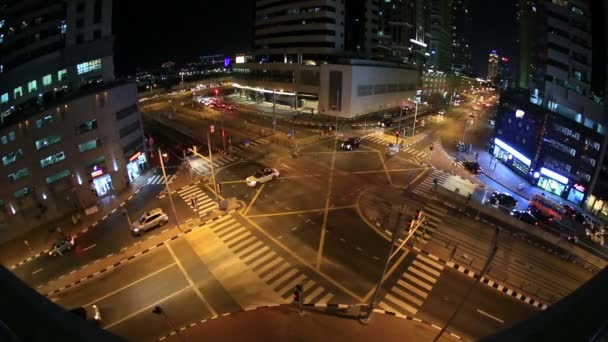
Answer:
(69, 132)
(564, 153)
(441, 39)
(462, 32)
(492, 65)
(405, 31)
(302, 30)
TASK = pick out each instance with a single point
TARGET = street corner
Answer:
(375, 204)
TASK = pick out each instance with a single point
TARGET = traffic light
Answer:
(211, 129)
(397, 134)
(297, 294)
(216, 91)
(431, 147)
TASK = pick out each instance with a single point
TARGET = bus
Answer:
(547, 207)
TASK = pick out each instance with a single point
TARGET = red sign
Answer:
(97, 173)
(211, 128)
(135, 156)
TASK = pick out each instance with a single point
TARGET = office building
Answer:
(492, 65)
(462, 32)
(69, 132)
(504, 77)
(554, 130)
(314, 31)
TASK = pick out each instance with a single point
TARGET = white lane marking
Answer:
(285, 166)
(490, 316)
(38, 270)
(147, 307)
(128, 285)
(87, 248)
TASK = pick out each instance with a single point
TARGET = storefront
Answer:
(576, 194)
(136, 165)
(552, 181)
(511, 157)
(102, 182)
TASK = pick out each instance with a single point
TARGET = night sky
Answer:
(180, 30)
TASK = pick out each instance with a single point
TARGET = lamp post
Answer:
(415, 116)
(162, 166)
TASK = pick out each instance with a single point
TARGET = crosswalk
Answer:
(159, 179)
(312, 139)
(426, 187)
(434, 215)
(243, 147)
(203, 166)
(270, 267)
(413, 287)
(202, 203)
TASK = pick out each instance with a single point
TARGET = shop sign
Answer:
(96, 173)
(135, 156)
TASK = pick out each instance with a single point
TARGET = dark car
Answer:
(62, 245)
(351, 144)
(472, 167)
(525, 216)
(576, 215)
(501, 199)
(91, 313)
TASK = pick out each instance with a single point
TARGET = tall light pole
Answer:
(399, 126)
(162, 166)
(415, 116)
(212, 171)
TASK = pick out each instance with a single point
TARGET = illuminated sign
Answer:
(240, 59)
(417, 42)
(513, 151)
(96, 173)
(135, 156)
(554, 175)
(519, 113)
(579, 187)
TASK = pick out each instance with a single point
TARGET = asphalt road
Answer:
(484, 312)
(109, 236)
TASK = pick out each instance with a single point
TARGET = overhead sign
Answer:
(97, 173)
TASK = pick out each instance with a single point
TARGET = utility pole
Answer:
(212, 171)
(399, 126)
(365, 319)
(415, 116)
(162, 166)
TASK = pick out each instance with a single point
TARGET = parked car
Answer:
(262, 176)
(350, 144)
(501, 199)
(90, 313)
(62, 245)
(149, 220)
(472, 167)
(525, 216)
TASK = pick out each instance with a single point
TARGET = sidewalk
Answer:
(16, 252)
(284, 323)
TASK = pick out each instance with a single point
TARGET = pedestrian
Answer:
(192, 202)
(495, 166)
(195, 202)
(476, 155)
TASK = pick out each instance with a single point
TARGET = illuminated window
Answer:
(61, 74)
(63, 27)
(47, 80)
(18, 92)
(46, 120)
(57, 176)
(52, 159)
(48, 141)
(4, 98)
(32, 86)
(1, 38)
(89, 66)
(15, 176)
(12, 157)
(89, 145)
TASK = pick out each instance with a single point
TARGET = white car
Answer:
(150, 219)
(262, 176)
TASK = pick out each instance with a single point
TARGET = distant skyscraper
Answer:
(492, 65)
(503, 78)
(299, 31)
(462, 31)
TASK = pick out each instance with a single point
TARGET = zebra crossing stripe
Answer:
(417, 281)
(411, 288)
(313, 294)
(400, 303)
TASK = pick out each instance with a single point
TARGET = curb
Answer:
(338, 306)
(84, 230)
(116, 264)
